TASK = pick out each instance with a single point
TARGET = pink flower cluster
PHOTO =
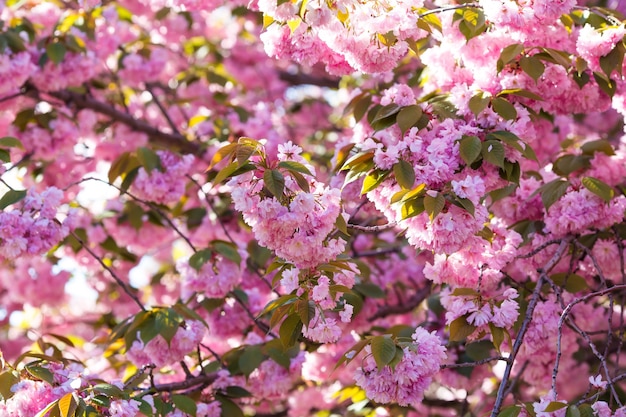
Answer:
(324, 327)
(167, 186)
(518, 14)
(214, 279)
(75, 69)
(124, 408)
(297, 227)
(33, 229)
(157, 351)
(271, 381)
(29, 398)
(345, 36)
(15, 69)
(137, 69)
(406, 383)
(580, 209)
(480, 312)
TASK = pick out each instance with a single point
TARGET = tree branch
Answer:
(172, 140)
(412, 302)
(519, 339)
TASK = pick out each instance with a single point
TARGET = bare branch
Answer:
(117, 279)
(173, 140)
(409, 304)
(519, 338)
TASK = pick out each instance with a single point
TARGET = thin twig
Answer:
(205, 379)
(519, 339)
(82, 101)
(372, 228)
(117, 279)
(162, 109)
(409, 304)
(473, 364)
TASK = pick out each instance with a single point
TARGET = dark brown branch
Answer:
(473, 364)
(117, 279)
(206, 379)
(174, 141)
(519, 338)
(301, 79)
(412, 302)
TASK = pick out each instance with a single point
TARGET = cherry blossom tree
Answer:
(312, 208)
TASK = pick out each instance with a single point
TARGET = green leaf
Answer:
(361, 108)
(243, 152)
(532, 66)
(385, 111)
(408, 117)
(493, 152)
(510, 411)
(341, 225)
(109, 389)
(606, 84)
(237, 392)
(520, 92)
(600, 145)
(554, 406)
(198, 259)
(412, 208)
(250, 359)
(229, 408)
(508, 54)
(274, 182)
(306, 311)
(373, 180)
(222, 153)
(11, 197)
(599, 188)
(567, 164)
(184, 404)
(10, 142)
(434, 205)
(460, 329)
(357, 160)
(479, 350)
(370, 290)
(613, 60)
(123, 165)
(572, 283)
(14, 41)
(552, 191)
(586, 410)
(274, 304)
(7, 380)
(40, 372)
(290, 330)
(478, 103)
(5, 156)
(561, 58)
(469, 148)
(149, 159)
(67, 405)
(167, 321)
(293, 166)
(572, 411)
(226, 172)
(56, 52)
(227, 249)
(404, 173)
(497, 336)
(416, 192)
(504, 108)
(383, 350)
(503, 192)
